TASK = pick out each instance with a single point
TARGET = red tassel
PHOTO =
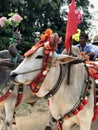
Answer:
(85, 101)
(59, 125)
(33, 84)
(75, 112)
(96, 113)
(80, 107)
(5, 96)
(14, 123)
(94, 119)
(96, 107)
(19, 99)
(48, 103)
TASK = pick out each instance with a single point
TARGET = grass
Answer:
(24, 109)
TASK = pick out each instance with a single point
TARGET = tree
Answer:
(37, 16)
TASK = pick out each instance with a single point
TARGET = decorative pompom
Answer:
(89, 87)
(96, 113)
(86, 81)
(94, 119)
(66, 117)
(75, 112)
(81, 106)
(33, 84)
(38, 87)
(44, 72)
(47, 45)
(46, 52)
(90, 81)
(50, 53)
(85, 101)
(48, 32)
(43, 37)
(10, 90)
(96, 85)
(88, 93)
(48, 103)
(97, 104)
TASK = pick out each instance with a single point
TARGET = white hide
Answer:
(67, 95)
(31, 63)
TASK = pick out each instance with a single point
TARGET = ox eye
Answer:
(39, 57)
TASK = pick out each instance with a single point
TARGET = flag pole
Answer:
(71, 42)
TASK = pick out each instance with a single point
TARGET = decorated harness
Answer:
(50, 42)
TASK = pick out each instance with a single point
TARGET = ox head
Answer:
(5, 69)
(40, 59)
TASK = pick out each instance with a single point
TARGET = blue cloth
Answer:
(96, 51)
(59, 50)
(87, 49)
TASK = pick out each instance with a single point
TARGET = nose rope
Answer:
(29, 71)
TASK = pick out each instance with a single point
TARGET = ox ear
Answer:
(63, 59)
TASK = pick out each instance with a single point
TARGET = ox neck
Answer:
(58, 83)
(79, 102)
(54, 79)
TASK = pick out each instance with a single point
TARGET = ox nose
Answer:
(13, 75)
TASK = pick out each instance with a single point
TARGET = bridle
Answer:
(58, 83)
(35, 85)
(26, 72)
(49, 43)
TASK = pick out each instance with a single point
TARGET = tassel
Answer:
(94, 119)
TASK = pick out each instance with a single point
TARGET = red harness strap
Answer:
(20, 94)
(7, 94)
(93, 72)
(59, 125)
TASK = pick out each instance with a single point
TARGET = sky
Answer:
(93, 31)
(95, 12)
(95, 3)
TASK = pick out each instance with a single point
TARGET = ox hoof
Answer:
(48, 128)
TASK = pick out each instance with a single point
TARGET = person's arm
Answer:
(90, 52)
(91, 55)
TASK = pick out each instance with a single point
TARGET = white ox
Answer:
(8, 104)
(64, 102)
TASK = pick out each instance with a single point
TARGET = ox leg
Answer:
(85, 121)
(85, 125)
(51, 125)
(4, 126)
(9, 111)
(67, 126)
(3, 116)
(8, 122)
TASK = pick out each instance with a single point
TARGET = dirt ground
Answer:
(36, 117)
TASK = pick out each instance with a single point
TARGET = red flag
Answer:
(71, 24)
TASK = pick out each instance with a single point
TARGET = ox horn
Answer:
(7, 63)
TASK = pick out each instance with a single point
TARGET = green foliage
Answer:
(37, 16)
